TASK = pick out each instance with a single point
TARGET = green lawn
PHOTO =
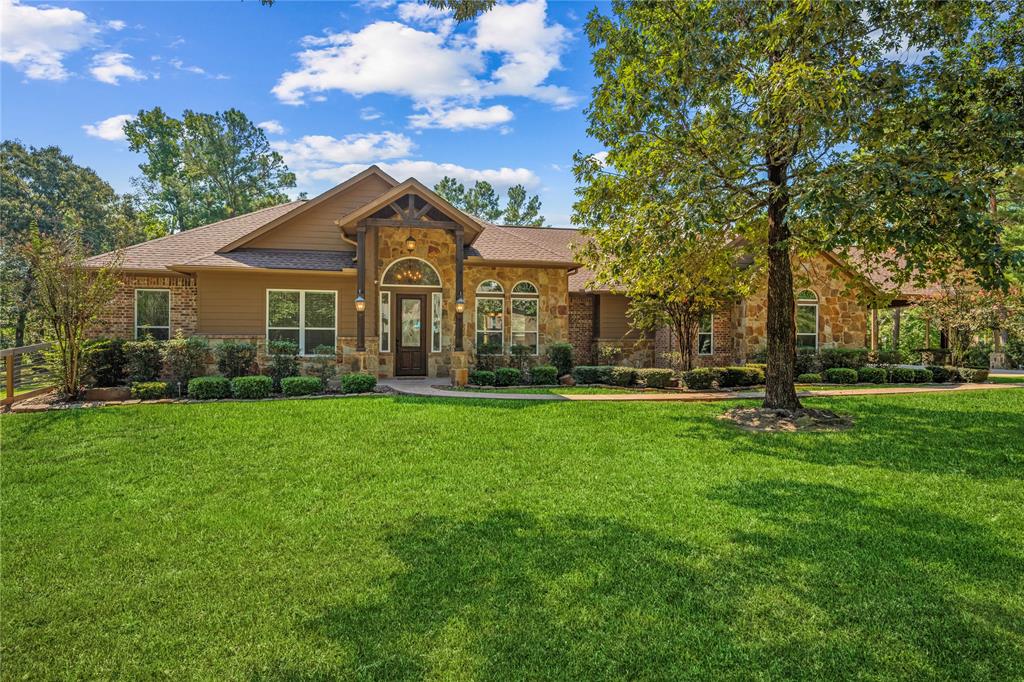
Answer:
(401, 538)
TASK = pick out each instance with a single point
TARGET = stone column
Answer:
(896, 328)
(874, 329)
(459, 295)
(361, 288)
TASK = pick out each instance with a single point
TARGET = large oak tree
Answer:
(875, 129)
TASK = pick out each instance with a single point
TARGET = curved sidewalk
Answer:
(430, 388)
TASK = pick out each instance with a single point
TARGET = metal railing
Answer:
(25, 373)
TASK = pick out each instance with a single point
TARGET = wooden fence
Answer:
(25, 373)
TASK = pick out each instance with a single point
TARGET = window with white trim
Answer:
(435, 322)
(807, 320)
(490, 317)
(385, 322)
(706, 335)
(153, 313)
(525, 302)
(306, 318)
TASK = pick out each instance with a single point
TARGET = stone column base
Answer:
(997, 360)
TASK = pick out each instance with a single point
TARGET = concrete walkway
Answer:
(432, 388)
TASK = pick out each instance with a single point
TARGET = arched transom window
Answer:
(807, 320)
(525, 301)
(411, 272)
(490, 318)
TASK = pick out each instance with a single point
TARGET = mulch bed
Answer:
(767, 419)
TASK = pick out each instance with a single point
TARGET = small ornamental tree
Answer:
(69, 299)
(673, 276)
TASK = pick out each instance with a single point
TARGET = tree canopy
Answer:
(205, 167)
(482, 201)
(42, 189)
(877, 130)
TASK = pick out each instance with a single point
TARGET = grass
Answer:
(403, 538)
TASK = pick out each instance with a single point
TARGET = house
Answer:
(396, 281)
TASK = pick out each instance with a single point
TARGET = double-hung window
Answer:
(706, 335)
(490, 317)
(525, 301)
(153, 313)
(306, 318)
(807, 320)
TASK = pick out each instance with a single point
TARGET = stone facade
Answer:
(118, 320)
(842, 320)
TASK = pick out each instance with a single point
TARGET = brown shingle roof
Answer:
(199, 242)
(277, 259)
(504, 242)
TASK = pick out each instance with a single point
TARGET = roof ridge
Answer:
(193, 230)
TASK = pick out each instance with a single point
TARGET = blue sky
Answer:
(337, 86)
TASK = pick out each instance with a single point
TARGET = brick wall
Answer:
(581, 327)
(118, 319)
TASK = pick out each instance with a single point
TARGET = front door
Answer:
(411, 350)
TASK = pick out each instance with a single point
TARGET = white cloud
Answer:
(459, 118)
(314, 157)
(600, 157)
(425, 15)
(433, 67)
(272, 126)
(430, 172)
(111, 129)
(116, 25)
(198, 70)
(319, 160)
(35, 40)
(369, 114)
(110, 67)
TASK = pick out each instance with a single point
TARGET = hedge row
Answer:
(252, 387)
(895, 375)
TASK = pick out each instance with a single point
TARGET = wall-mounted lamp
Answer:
(410, 244)
(360, 303)
(460, 305)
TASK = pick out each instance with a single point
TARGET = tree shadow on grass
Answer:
(983, 444)
(819, 584)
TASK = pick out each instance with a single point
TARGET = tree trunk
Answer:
(780, 392)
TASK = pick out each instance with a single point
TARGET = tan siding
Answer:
(315, 229)
(614, 322)
(236, 303)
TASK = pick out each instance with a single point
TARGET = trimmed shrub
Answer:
(284, 361)
(325, 364)
(954, 374)
(592, 374)
(977, 357)
(105, 362)
(185, 358)
(358, 382)
(850, 358)
(521, 356)
(143, 360)
(888, 357)
(809, 378)
(740, 376)
(901, 375)
(301, 385)
(841, 375)
(622, 376)
(149, 390)
(701, 378)
(973, 375)
(481, 377)
(253, 387)
(508, 376)
(922, 376)
(560, 355)
(872, 375)
(806, 361)
(544, 374)
(940, 375)
(235, 358)
(209, 388)
(654, 377)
